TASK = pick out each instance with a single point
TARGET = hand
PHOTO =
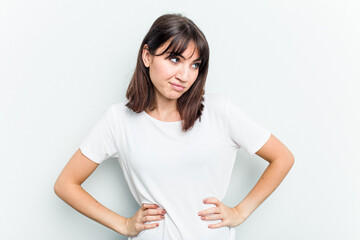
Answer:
(146, 213)
(229, 216)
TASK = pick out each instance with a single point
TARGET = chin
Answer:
(174, 98)
(170, 98)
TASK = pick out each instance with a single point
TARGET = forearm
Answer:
(83, 202)
(268, 182)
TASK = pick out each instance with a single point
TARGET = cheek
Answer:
(194, 77)
(163, 71)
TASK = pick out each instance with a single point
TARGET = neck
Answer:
(166, 110)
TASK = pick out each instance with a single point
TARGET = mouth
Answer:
(177, 87)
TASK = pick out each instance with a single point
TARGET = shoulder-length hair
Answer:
(181, 31)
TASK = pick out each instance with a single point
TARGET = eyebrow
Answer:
(178, 54)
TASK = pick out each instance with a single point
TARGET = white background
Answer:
(293, 66)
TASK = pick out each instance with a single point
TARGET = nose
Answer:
(182, 73)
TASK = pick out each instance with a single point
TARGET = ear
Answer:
(146, 56)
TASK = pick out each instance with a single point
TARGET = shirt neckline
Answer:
(159, 121)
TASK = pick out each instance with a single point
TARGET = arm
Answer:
(68, 188)
(281, 160)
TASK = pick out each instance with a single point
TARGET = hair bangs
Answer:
(178, 32)
(203, 49)
(179, 44)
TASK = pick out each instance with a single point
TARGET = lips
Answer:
(177, 85)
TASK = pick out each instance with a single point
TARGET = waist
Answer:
(169, 229)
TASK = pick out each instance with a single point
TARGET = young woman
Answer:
(175, 144)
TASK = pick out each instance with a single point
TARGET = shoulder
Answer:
(118, 106)
(216, 102)
(117, 109)
(121, 113)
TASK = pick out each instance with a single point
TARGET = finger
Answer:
(211, 217)
(149, 205)
(209, 211)
(155, 211)
(217, 225)
(212, 200)
(152, 218)
(150, 225)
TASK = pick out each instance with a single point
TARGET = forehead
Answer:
(191, 52)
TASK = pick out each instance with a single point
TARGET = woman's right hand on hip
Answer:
(146, 213)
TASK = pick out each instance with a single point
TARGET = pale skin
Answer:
(182, 71)
(179, 70)
(280, 162)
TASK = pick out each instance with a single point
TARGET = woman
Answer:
(176, 146)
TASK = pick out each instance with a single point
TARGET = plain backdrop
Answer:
(293, 66)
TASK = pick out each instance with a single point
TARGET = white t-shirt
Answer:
(175, 170)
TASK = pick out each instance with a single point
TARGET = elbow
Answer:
(292, 157)
(287, 161)
(57, 188)
(291, 160)
(60, 187)
(63, 186)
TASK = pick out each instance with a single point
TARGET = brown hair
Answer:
(180, 30)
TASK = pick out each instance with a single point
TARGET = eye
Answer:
(196, 65)
(174, 59)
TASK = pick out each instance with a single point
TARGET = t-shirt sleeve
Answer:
(100, 143)
(244, 132)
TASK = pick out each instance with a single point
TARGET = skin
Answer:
(181, 71)
(163, 72)
(280, 161)
(68, 187)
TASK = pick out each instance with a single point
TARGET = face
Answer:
(172, 76)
